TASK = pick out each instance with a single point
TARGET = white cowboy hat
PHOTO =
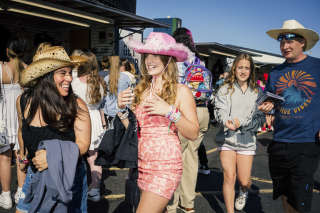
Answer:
(293, 26)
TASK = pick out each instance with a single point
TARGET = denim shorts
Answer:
(240, 152)
(79, 191)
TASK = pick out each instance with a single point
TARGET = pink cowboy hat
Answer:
(161, 44)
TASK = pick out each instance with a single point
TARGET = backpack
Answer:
(199, 79)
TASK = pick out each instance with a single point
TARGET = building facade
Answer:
(100, 25)
(174, 23)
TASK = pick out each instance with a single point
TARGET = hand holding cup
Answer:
(125, 98)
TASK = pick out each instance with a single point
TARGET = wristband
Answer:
(174, 115)
(170, 112)
(23, 160)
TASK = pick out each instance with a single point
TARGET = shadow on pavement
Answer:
(123, 208)
(317, 185)
(210, 187)
(254, 201)
(210, 183)
(213, 201)
(101, 206)
(265, 141)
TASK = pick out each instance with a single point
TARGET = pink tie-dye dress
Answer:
(159, 154)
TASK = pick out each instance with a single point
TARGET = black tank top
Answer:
(32, 135)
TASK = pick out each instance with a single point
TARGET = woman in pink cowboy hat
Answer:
(163, 108)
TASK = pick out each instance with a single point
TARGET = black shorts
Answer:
(292, 167)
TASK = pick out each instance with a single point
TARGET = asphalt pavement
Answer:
(209, 187)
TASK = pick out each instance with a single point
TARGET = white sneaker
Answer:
(5, 201)
(241, 200)
(19, 194)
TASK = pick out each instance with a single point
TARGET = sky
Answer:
(238, 22)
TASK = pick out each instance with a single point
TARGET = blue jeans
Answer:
(79, 191)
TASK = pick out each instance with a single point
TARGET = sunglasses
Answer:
(288, 36)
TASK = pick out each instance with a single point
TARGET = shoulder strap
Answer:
(196, 60)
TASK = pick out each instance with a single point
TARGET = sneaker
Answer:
(94, 195)
(186, 210)
(5, 201)
(241, 200)
(204, 169)
(18, 195)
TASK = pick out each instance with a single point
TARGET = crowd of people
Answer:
(57, 111)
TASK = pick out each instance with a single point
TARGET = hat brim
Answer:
(310, 36)
(78, 59)
(179, 51)
(40, 68)
(179, 55)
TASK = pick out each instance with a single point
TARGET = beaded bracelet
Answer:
(170, 112)
(174, 115)
(23, 160)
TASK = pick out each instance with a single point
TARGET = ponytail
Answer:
(16, 61)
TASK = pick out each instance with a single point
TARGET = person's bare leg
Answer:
(244, 165)
(228, 163)
(5, 170)
(151, 203)
(21, 176)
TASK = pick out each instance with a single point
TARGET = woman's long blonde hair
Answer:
(231, 80)
(94, 81)
(169, 78)
(114, 74)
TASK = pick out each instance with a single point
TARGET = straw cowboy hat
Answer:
(161, 44)
(45, 61)
(293, 26)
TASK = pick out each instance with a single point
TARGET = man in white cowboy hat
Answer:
(294, 152)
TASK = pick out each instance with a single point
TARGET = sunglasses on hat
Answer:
(288, 36)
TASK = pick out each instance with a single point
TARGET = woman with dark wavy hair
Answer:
(237, 113)
(91, 88)
(48, 109)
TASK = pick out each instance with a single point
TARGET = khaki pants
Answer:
(185, 192)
